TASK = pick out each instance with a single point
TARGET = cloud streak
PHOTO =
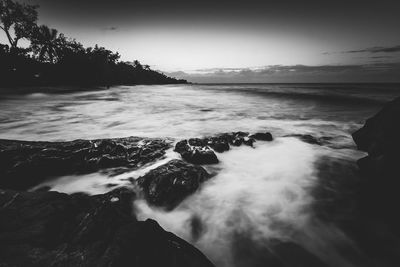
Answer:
(377, 49)
(373, 50)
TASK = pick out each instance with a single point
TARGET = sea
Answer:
(278, 192)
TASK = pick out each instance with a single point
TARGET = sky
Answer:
(246, 41)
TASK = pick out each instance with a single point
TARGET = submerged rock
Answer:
(24, 164)
(55, 229)
(169, 184)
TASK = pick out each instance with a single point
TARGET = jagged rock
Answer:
(219, 144)
(55, 229)
(380, 134)
(262, 136)
(172, 182)
(195, 151)
(24, 164)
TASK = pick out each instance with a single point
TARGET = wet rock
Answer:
(262, 136)
(380, 169)
(196, 151)
(219, 144)
(249, 141)
(55, 229)
(169, 184)
(376, 224)
(24, 164)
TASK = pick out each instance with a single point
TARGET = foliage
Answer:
(17, 20)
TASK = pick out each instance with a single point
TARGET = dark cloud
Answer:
(377, 49)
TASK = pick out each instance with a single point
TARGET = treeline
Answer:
(53, 59)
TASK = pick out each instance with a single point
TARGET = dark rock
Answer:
(55, 229)
(262, 136)
(380, 134)
(169, 184)
(380, 170)
(195, 151)
(376, 225)
(249, 141)
(219, 144)
(24, 164)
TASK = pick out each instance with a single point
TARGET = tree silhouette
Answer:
(59, 60)
(47, 44)
(17, 21)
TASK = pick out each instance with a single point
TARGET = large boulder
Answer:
(376, 225)
(169, 184)
(55, 229)
(194, 151)
(380, 169)
(24, 164)
(380, 134)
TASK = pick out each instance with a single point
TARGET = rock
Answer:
(262, 136)
(195, 151)
(169, 184)
(376, 225)
(219, 144)
(380, 134)
(380, 169)
(55, 229)
(25, 164)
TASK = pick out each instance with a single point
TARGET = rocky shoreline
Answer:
(55, 229)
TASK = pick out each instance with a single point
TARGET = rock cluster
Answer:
(24, 164)
(201, 151)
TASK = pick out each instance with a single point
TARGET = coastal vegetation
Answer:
(51, 58)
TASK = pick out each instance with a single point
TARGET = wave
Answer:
(259, 199)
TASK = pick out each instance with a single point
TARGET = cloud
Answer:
(374, 72)
(111, 28)
(375, 49)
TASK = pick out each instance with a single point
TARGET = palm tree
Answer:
(46, 43)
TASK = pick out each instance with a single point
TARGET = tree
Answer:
(137, 64)
(47, 44)
(17, 21)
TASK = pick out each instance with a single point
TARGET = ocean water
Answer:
(277, 192)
